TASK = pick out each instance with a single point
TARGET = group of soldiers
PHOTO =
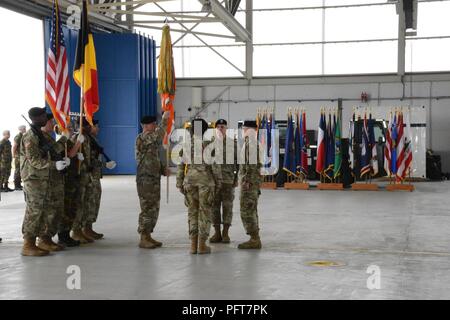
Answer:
(61, 182)
(8, 153)
(208, 189)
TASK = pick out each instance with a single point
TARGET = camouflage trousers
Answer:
(71, 203)
(82, 211)
(17, 178)
(149, 192)
(54, 204)
(5, 172)
(199, 201)
(223, 200)
(35, 213)
(94, 197)
(249, 209)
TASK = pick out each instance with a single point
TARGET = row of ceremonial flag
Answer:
(267, 135)
(397, 150)
(329, 153)
(57, 86)
(296, 153)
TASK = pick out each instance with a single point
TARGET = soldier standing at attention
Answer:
(84, 167)
(197, 181)
(35, 164)
(5, 161)
(148, 177)
(17, 140)
(225, 195)
(71, 188)
(250, 177)
(95, 188)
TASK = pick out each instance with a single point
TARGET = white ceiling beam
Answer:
(228, 20)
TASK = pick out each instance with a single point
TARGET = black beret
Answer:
(36, 112)
(201, 122)
(50, 116)
(250, 124)
(148, 119)
(222, 122)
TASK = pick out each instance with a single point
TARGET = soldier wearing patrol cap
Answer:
(224, 195)
(148, 177)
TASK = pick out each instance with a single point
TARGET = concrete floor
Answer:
(406, 234)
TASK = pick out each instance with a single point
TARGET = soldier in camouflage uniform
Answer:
(85, 181)
(5, 161)
(95, 188)
(197, 180)
(250, 179)
(225, 195)
(148, 177)
(17, 140)
(35, 166)
(71, 186)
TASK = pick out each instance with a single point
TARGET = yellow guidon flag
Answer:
(85, 69)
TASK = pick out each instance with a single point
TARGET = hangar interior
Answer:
(233, 59)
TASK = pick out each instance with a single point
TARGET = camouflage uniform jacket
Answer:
(34, 164)
(229, 171)
(147, 149)
(5, 152)
(59, 147)
(17, 140)
(198, 174)
(250, 173)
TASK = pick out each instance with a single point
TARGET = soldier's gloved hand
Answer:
(111, 165)
(67, 161)
(81, 138)
(80, 156)
(60, 165)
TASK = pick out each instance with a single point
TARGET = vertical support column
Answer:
(249, 44)
(323, 36)
(129, 17)
(401, 39)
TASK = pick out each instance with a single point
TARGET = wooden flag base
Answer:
(269, 185)
(400, 187)
(296, 186)
(330, 186)
(365, 187)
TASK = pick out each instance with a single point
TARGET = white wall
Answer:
(238, 103)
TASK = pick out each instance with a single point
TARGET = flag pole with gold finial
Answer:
(166, 90)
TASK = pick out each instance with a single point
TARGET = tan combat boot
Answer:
(217, 237)
(156, 243)
(45, 243)
(225, 236)
(145, 242)
(194, 244)
(88, 231)
(78, 235)
(253, 243)
(29, 248)
(202, 247)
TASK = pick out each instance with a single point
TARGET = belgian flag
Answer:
(85, 69)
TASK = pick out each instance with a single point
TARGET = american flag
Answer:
(57, 83)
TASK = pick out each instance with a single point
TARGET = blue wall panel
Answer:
(126, 88)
